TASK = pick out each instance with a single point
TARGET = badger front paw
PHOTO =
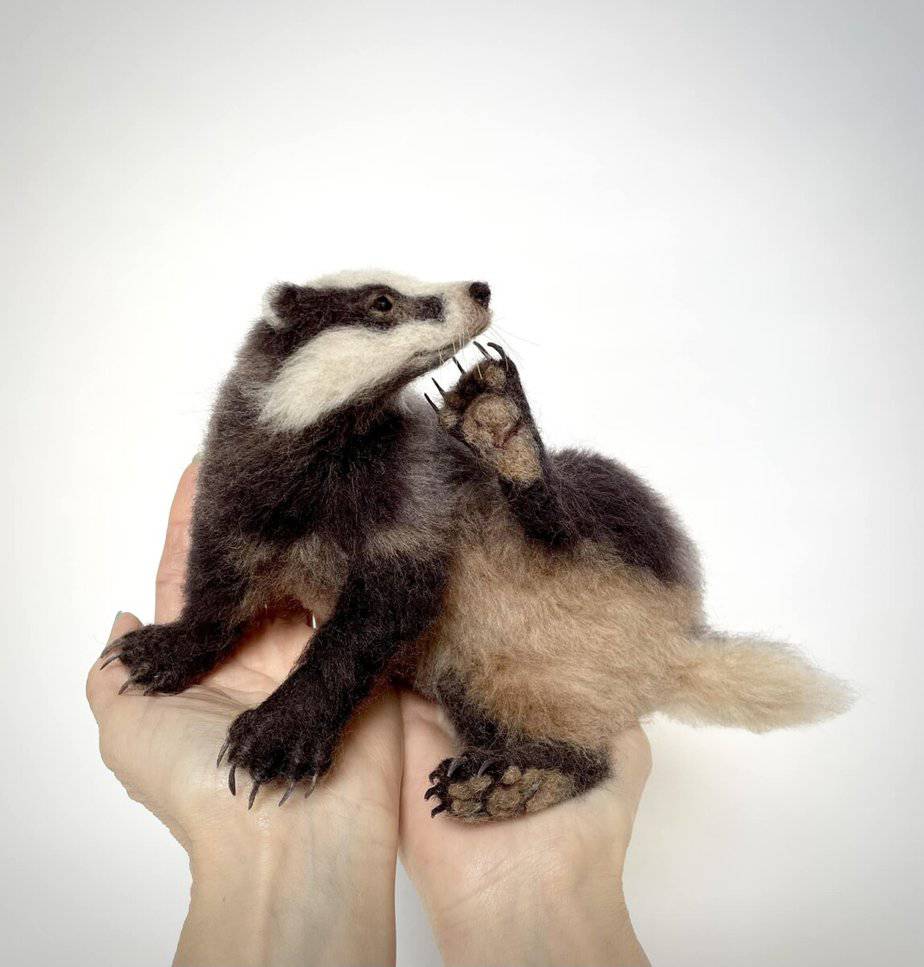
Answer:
(488, 412)
(160, 658)
(274, 743)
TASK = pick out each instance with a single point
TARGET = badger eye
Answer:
(382, 304)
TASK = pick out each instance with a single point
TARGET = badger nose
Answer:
(480, 292)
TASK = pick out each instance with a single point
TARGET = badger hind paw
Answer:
(479, 785)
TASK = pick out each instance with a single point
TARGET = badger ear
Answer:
(280, 301)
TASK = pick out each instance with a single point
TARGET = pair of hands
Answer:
(313, 881)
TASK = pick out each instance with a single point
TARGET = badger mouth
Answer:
(442, 354)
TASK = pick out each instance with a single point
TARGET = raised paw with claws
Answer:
(487, 410)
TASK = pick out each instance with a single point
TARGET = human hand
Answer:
(543, 888)
(539, 889)
(275, 885)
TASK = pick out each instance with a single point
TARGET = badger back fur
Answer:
(546, 599)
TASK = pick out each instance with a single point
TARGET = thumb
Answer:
(428, 739)
(103, 684)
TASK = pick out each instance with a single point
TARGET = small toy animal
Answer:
(546, 599)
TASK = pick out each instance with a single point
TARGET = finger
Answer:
(171, 573)
(428, 739)
(630, 753)
(103, 684)
(369, 761)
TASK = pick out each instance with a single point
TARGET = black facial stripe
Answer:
(428, 307)
(404, 308)
(305, 311)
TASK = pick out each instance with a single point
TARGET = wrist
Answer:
(574, 916)
(281, 889)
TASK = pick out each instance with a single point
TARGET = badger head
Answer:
(357, 337)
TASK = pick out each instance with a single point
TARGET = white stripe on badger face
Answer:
(347, 362)
(354, 278)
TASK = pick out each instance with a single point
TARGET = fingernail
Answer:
(197, 457)
(115, 621)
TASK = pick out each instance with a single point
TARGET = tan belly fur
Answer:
(571, 646)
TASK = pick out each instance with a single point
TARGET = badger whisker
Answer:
(512, 335)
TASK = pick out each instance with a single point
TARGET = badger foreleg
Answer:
(292, 736)
(487, 410)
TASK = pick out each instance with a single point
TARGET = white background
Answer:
(702, 226)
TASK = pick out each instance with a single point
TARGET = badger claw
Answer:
(485, 766)
(500, 352)
(311, 785)
(221, 754)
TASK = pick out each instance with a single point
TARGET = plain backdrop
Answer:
(702, 223)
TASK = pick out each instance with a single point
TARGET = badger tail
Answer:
(752, 684)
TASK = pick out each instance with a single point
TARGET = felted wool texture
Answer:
(546, 598)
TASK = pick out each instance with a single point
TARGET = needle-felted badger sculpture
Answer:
(546, 599)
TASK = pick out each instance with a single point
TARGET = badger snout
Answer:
(481, 293)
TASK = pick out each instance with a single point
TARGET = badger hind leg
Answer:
(498, 776)
(480, 785)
